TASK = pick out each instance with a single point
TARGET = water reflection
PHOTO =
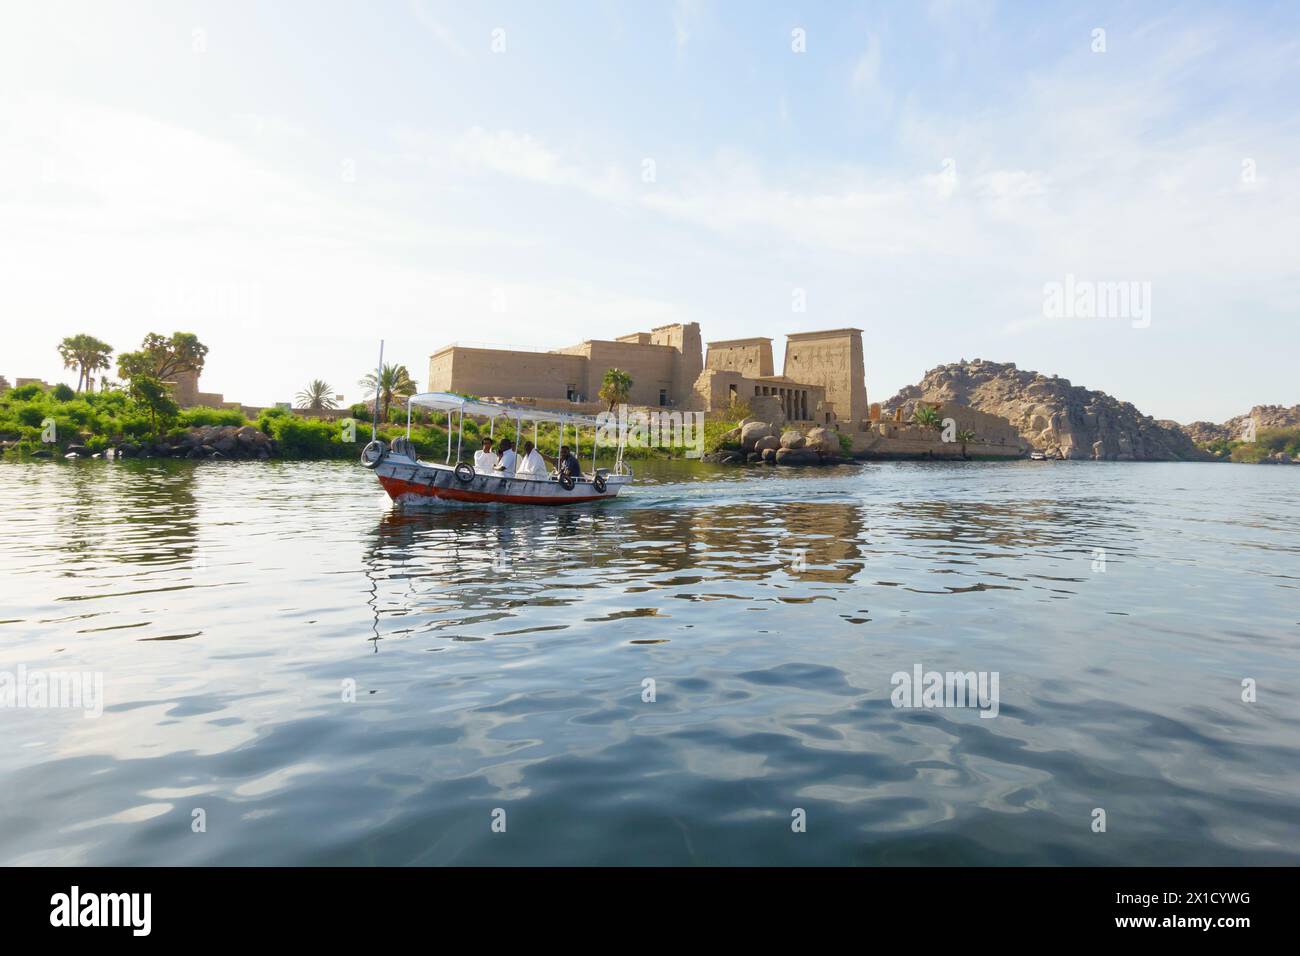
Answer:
(226, 603)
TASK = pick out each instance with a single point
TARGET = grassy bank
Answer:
(102, 420)
(1268, 443)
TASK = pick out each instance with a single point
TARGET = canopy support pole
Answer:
(374, 414)
(460, 438)
(449, 414)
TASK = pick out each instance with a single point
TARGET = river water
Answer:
(697, 673)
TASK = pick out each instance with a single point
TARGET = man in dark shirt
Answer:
(568, 463)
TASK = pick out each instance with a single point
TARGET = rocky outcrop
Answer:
(1235, 429)
(1051, 415)
(208, 441)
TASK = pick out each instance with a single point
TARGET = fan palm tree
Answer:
(927, 417)
(317, 396)
(85, 353)
(615, 387)
(394, 381)
(965, 435)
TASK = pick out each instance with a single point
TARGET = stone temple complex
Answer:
(823, 381)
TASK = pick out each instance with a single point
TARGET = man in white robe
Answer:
(485, 459)
(533, 465)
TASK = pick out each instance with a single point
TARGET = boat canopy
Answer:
(449, 402)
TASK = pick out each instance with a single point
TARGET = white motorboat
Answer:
(412, 482)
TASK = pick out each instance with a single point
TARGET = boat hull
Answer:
(419, 484)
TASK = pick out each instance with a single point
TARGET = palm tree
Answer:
(927, 417)
(615, 387)
(317, 396)
(85, 353)
(965, 435)
(394, 380)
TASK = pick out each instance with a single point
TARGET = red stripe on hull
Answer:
(396, 487)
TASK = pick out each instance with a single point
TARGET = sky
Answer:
(293, 181)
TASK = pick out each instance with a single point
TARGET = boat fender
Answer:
(566, 481)
(464, 472)
(372, 454)
(599, 484)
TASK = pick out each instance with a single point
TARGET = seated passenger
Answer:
(485, 460)
(568, 463)
(533, 465)
(507, 459)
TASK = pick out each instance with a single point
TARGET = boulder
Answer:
(225, 444)
(792, 439)
(752, 432)
(769, 456)
(77, 451)
(797, 456)
(770, 443)
(754, 457)
(824, 440)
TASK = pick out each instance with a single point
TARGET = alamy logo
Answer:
(641, 429)
(103, 909)
(951, 689)
(48, 690)
(1082, 299)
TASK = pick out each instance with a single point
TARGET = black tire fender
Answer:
(599, 484)
(372, 454)
(567, 482)
(464, 472)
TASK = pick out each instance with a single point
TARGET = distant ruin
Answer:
(823, 381)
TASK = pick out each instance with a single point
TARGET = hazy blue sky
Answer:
(294, 180)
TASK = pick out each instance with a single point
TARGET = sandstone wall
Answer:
(750, 357)
(477, 371)
(834, 360)
(688, 362)
(651, 367)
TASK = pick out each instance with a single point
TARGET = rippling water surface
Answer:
(499, 660)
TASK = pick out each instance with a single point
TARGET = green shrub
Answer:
(31, 415)
(266, 420)
(198, 417)
(62, 393)
(25, 393)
